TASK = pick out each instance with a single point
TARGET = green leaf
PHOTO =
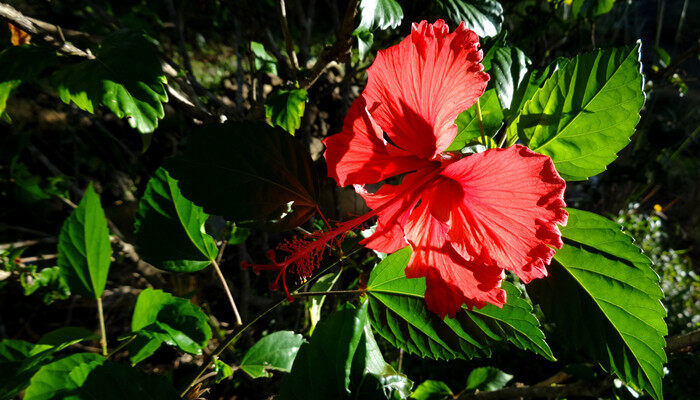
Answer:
(591, 8)
(486, 379)
(21, 64)
(170, 229)
(484, 17)
(90, 376)
(315, 304)
(162, 317)
(322, 368)
(372, 377)
(379, 14)
(275, 351)
(239, 235)
(50, 282)
(365, 40)
(20, 360)
(508, 70)
(62, 378)
(263, 61)
(247, 171)
(585, 112)
(532, 81)
(468, 121)
(432, 390)
(285, 109)
(125, 76)
(222, 369)
(399, 314)
(67, 336)
(604, 297)
(84, 250)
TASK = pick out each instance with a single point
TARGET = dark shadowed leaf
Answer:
(399, 314)
(285, 109)
(22, 64)
(379, 14)
(275, 351)
(128, 88)
(591, 8)
(90, 376)
(161, 317)
(315, 303)
(484, 17)
(84, 250)
(604, 297)
(509, 67)
(585, 112)
(66, 336)
(170, 229)
(468, 122)
(247, 171)
(486, 379)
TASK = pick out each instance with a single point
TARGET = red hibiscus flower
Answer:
(467, 219)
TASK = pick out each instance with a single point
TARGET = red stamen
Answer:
(305, 253)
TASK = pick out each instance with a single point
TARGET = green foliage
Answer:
(604, 297)
(486, 379)
(248, 171)
(399, 314)
(135, 90)
(315, 304)
(285, 109)
(591, 8)
(275, 351)
(84, 249)
(170, 229)
(509, 66)
(20, 360)
(263, 61)
(90, 376)
(484, 17)
(468, 122)
(432, 390)
(21, 64)
(50, 283)
(160, 317)
(585, 112)
(343, 341)
(375, 14)
(679, 282)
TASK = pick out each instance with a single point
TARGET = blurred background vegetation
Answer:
(233, 54)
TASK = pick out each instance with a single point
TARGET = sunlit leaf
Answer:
(468, 121)
(485, 379)
(604, 297)
(399, 314)
(84, 249)
(585, 112)
(275, 351)
(285, 109)
(484, 17)
(432, 390)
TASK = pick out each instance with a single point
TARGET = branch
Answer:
(583, 389)
(339, 50)
(282, 11)
(44, 31)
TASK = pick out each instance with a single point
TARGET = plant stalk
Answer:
(330, 293)
(228, 292)
(103, 332)
(481, 125)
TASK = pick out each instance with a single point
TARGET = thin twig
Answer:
(228, 292)
(121, 346)
(339, 50)
(27, 243)
(282, 12)
(329, 293)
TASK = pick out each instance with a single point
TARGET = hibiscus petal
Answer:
(511, 202)
(359, 155)
(400, 200)
(416, 89)
(451, 280)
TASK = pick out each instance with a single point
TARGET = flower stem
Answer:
(228, 292)
(481, 125)
(236, 335)
(103, 332)
(331, 293)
